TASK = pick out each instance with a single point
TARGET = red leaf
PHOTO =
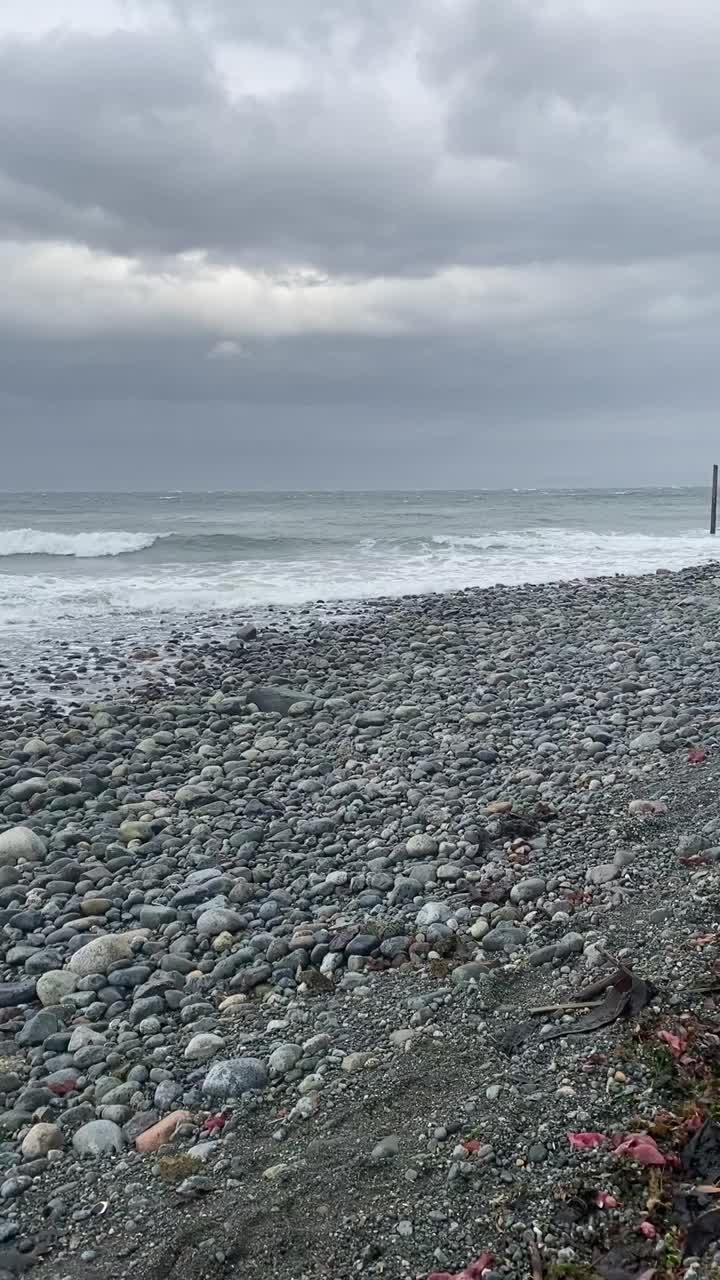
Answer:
(677, 1046)
(647, 1230)
(604, 1200)
(641, 1148)
(214, 1123)
(586, 1141)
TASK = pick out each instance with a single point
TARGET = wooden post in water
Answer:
(713, 501)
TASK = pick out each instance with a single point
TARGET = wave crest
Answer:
(45, 542)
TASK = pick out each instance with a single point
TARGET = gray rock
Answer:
(54, 985)
(14, 993)
(275, 698)
(98, 1138)
(130, 830)
(203, 1151)
(363, 944)
(204, 1046)
(465, 973)
(603, 874)
(433, 913)
(42, 1025)
(385, 1149)
(284, 1058)
(83, 1036)
(154, 916)
(234, 1076)
(41, 1139)
(20, 843)
(527, 890)
(691, 842)
(218, 920)
(571, 944)
(543, 955)
(648, 741)
(30, 787)
(503, 937)
(100, 955)
(370, 719)
(421, 846)
(167, 1095)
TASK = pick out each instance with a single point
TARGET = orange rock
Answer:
(161, 1132)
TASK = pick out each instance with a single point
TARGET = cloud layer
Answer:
(494, 221)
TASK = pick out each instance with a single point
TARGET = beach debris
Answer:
(536, 1263)
(704, 1231)
(626, 995)
(512, 826)
(701, 1155)
(646, 808)
(626, 1262)
(696, 755)
(623, 994)
(516, 1036)
(473, 1271)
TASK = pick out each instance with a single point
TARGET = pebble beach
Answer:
(293, 918)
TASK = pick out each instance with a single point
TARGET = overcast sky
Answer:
(358, 243)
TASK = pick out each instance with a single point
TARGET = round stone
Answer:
(99, 1138)
(41, 1139)
(204, 1046)
(232, 1077)
(20, 844)
(54, 985)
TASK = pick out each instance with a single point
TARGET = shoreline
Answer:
(114, 653)
(463, 803)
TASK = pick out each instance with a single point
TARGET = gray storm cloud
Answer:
(358, 242)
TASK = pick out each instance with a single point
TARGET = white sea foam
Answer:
(91, 545)
(370, 569)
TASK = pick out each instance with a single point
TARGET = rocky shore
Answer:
(294, 925)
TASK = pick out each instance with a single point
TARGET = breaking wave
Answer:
(45, 542)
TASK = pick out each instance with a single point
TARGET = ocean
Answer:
(87, 564)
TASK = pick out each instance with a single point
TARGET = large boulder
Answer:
(20, 843)
(102, 954)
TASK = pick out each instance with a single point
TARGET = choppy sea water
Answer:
(86, 563)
